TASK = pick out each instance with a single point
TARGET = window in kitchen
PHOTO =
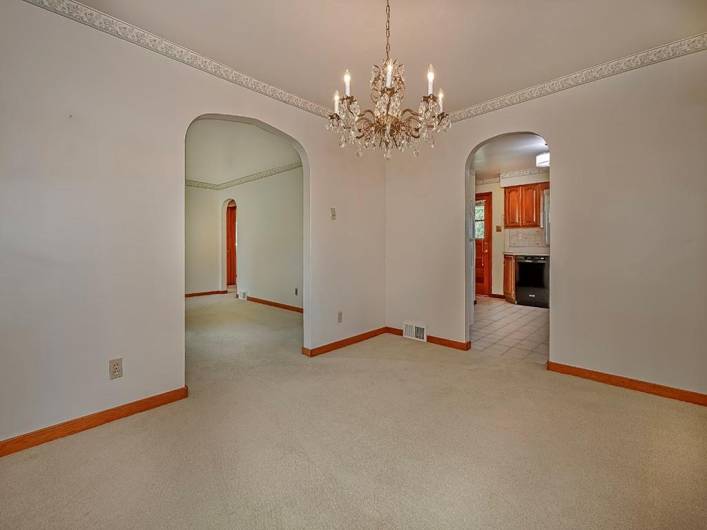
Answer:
(479, 212)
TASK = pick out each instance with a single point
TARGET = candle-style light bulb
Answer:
(440, 98)
(389, 75)
(347, 83)
(430, 80)
(336, 102)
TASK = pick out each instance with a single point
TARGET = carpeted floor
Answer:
(388, 433)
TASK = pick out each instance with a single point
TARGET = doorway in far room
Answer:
(483, 214)
(231, 255)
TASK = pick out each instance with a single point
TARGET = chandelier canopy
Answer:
(388, 126)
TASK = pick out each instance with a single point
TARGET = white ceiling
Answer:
(508, 152)
(220, 150)
(480, 48)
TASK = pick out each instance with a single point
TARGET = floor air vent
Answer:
(415, 331)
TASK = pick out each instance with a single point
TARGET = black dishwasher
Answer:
(533, 280)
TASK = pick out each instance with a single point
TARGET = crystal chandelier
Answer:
(388, 126)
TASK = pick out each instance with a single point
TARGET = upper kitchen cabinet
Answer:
(512, 207)
(523, 205)
(529, 206)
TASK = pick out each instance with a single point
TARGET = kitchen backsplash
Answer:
(525, 238)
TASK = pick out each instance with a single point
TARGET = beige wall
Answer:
(92, 217)
(629, 232)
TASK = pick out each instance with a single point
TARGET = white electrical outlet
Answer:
(115, 368)
(340, 317)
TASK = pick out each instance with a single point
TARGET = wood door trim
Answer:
(53, 432)
(231, 258)
(632, 384)
(488, 229)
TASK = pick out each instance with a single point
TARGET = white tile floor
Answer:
(512, 331)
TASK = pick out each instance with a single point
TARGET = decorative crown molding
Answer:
(128, 32)
(655, 55)
(530, 172)
(242, 180)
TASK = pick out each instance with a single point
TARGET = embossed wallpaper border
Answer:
(655, 55)
(128, 32)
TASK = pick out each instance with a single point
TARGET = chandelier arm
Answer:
(413, 119)
(366, 112)
(348, 109)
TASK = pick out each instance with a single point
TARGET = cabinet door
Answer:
(509, 278)
(512, 212)
(530, 205)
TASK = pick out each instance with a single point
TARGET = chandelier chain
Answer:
(387, 31)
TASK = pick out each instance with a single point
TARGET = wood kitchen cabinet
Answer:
(523, 205)
(509, 278)
(529, 206)
(512, 207)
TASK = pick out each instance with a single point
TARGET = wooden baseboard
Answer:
(25, 441)
(205, 293)
(380, 331)
(497, 296)
(464, 346)
(275, 304)
(627, 382)
(441, 341)
(343, 342)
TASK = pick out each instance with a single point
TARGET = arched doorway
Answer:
(227, 220)
(508, 245)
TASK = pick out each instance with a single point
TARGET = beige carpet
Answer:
(384, 434)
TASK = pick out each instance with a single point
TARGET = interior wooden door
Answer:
(231, 262)
(482, 237)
